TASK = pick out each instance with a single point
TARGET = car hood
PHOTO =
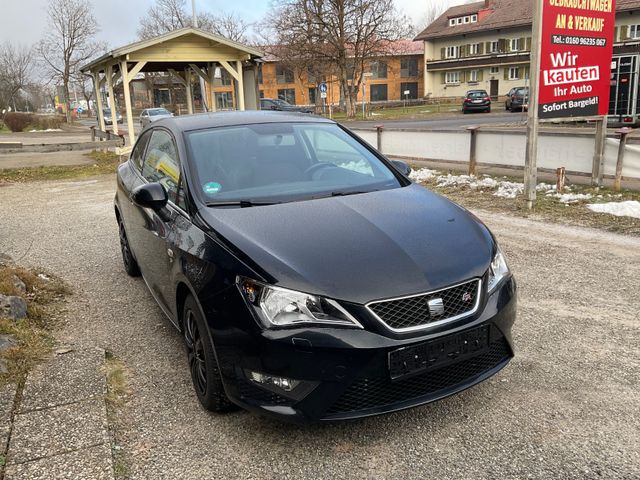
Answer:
(361, 247)
(155, 118)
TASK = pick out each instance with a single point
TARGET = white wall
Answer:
(574, 152)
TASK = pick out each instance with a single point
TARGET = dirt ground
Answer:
(568, 405)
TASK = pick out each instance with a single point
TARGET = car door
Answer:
(154, 247)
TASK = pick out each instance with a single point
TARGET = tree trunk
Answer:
(67, 101)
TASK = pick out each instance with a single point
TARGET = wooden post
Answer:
(531, 155)
(127, 101)
(598, 154)
(472, 150)
(112, 99)
(379, 137)
(212, 96)
(96, 86)
(561, 176)
(240, 85)
(621, 148)
(187, 79)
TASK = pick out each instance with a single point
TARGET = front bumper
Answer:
(349, 368)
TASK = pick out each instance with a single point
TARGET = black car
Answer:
(476, 101)
(282, 106)
(310, 278)
(517, 99)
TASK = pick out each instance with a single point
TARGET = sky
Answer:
(24, 21)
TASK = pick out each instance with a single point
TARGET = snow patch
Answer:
(423, 174)
(629, 208)
(47, 130)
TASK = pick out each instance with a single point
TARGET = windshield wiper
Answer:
(240, 203)
(344, 194)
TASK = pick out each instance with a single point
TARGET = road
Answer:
(568, 405)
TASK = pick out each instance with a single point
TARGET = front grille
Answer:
(413, 312)
(367, 393)
(259, 395)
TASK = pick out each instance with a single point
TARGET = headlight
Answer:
(498, 270)
(281, 307)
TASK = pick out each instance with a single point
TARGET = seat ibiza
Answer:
(309, 277)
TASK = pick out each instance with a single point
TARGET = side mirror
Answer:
(403, 167)
(150, 195)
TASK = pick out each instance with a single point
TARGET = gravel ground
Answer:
(568, 405)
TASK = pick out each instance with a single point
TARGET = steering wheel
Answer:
(317, 166)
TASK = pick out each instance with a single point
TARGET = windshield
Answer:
(283, 103)
(477, 94)
(522, 91)
(159, 111)
(107, 111)
(282, 162)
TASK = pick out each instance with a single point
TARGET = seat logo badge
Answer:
(467, 297)
(436, 307)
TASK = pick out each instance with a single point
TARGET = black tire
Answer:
(506, 107)
(203, 365)
(488, 110)
(130, 264)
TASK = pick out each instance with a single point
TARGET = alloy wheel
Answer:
(195, 353)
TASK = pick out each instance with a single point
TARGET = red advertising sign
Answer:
(575, 60)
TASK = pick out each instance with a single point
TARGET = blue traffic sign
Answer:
(79, 110)
(322, 87)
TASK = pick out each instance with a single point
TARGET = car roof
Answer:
(225, 119)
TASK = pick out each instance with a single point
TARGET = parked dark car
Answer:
(310, 278)
(150, 115)
(517, 99)
(282, 106)
(476, 101)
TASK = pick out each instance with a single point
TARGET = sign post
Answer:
(323, 94)
(570, 68)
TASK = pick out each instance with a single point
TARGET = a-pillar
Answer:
(127, 101)
(212, 96)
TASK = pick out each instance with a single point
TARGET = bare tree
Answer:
(68, 43)
(84, 83)
(346, 34)
(168, 15)
(433, 10)
(16, 66)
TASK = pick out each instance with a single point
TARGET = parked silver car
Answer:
(150, 115)
(108, 117)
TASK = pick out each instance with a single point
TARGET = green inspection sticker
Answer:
(212, 188)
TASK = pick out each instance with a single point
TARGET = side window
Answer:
(138, 150)
(161, 163)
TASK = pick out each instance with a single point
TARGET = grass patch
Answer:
(547, 208)
(118, 393)
(103, 163)
(33, 335)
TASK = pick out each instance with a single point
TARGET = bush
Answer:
(46, 122)
(17, 121)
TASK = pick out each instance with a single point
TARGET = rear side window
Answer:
(161, 163)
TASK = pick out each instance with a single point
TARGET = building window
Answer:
(259, 74)
(284, 75)
(474, 49)
(634, 31)
(408, 67)
(378, 93)
(223, 80)
(311, 75)
(494, 46)
(312, 95)
(474, 18)
(473, 76)
(452, 52)
(411, 87)
(494, 70)
(288, 95)
(452, 22)
(261, 93)
(378, 70)
(466, 20)
(224, 100)
(452, 77)
(515, 44)
(514, 73)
